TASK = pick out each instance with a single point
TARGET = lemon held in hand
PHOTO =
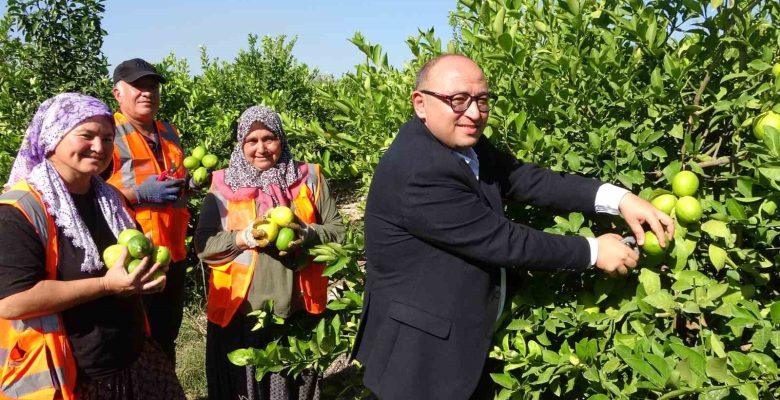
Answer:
(139, 247)
(665, 203)
(652, 246)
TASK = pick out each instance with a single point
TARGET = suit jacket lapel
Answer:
(447, 154)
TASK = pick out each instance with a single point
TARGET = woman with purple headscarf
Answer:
(56, 217)
(247, 272)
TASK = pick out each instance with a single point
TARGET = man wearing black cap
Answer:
(147, 169)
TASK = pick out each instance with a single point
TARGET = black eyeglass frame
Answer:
(448, 99)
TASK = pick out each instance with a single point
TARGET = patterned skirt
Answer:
(152, 376)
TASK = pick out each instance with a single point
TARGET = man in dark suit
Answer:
(437, 240)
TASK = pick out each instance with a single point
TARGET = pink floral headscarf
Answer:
(54, 119)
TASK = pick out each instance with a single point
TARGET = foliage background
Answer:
(626, 91)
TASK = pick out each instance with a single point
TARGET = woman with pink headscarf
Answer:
(69, 326)
(247, 271)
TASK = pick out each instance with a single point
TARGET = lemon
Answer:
(139, 247)
(199, 152)
(200, 175)
(286, 235)
(652, 246)
(191, 163)
(162, 255)
(128, 234)
(688, 209)
(685, 183)
(270, 229)
(768, 119)
(665, 203)
(112, 253)
(209, 161)
(281, 215)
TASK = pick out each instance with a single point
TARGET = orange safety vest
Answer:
(36, 361)
(229, 282)
(134, 161)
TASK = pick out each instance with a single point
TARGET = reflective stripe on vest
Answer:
(134, 162)
(32, 385)
(229, 282)
(35, 357)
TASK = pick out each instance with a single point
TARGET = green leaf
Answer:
(740, 362)
(771, 173)
(650, 281)
(242, 357)
(320, 331)
(774, 312)
(718, 256)
(696, 361)
(717, 346)
(506, 380)
(335, 267)
(644, 369)
(656, 82)
(677, 131)
(661, 300)
(716, 228)
(749, 390)
(717, 369)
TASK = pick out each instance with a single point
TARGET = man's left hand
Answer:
(637, 211)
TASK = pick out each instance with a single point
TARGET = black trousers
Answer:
(165, 309)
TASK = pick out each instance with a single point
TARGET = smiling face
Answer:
(451, 75)
(262, 148)
(85, 151)
(139, 100)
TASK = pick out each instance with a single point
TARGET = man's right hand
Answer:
(615, 257)
(153, 191)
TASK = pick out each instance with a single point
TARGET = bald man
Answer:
(438, 243)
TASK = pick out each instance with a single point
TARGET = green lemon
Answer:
(685, 183)
(768, 119)
(128, 234)
(162, 255)
(776, 70)
(209, 161)
(286, 235)
(665, 203)
(281, 215)
(688, 209)
(112, 253)
(652, 246)
(139, 247)
(200, 175)
(132, 266)
(191, 163)
(199, 152)
(270, 229)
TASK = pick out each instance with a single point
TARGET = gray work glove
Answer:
(153, 191)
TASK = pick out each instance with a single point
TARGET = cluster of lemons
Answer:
(198, 163)
(681, 204)
(138, 246)
(275, 227)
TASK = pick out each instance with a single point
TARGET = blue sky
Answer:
(152, 29)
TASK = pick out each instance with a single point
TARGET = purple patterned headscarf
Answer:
(240, 173)
(54, 119)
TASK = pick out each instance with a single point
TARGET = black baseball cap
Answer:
(135, 69)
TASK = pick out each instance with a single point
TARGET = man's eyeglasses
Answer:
(460, 102)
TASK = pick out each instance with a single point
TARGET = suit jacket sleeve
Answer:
(441, 208)
(539, 186)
